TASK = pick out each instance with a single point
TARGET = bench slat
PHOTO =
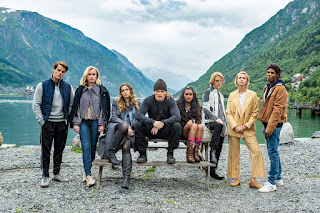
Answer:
(102, 162)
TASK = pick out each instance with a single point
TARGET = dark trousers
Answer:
(58, 132)
(216, 140)
(170, 132)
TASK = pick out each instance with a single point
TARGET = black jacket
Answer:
(105, 103)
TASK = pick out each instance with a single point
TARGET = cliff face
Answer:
(30, 44)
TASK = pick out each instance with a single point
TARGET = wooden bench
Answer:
(160, 144)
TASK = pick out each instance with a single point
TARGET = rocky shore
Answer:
(166, 189)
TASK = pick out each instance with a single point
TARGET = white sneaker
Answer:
(279, 182)
(268, 187)
(84, 177)
(90, 181)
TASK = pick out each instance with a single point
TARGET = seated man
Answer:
(163, 122)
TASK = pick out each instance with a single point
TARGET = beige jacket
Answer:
(246, 117)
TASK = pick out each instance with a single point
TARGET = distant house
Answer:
(296, 80)
(29, 90)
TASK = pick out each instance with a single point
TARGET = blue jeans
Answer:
(89, 138)
(272, 145)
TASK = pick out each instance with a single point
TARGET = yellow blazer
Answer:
(238, 117)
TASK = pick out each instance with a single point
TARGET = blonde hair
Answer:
(84, 81)
(133, 99)
(213, 76)
(247, 76)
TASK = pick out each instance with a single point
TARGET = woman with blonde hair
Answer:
(242, 111)
(89, 115)
(121, 129)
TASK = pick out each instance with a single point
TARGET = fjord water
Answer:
(19, 126)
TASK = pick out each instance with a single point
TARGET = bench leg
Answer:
(207, 178)
(100, 175)
(206, 149)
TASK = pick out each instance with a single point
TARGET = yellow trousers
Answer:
(257, 166)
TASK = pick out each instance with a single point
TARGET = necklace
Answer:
(187, 109)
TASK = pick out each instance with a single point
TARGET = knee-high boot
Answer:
(126, 169)
(196, 152)
(114, 146)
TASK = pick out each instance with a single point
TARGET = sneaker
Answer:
(44, 182)
(84, 177)
(279, 182)
(90, 181)
(170, 158)
(59, 178)
(142, 158)
(268, 187)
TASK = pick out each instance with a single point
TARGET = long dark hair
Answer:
(195, 109)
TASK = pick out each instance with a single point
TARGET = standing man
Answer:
(163, 122)
(273, 114)
(52, 101)
(215, 119)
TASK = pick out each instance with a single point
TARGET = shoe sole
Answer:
(62, 181)
(267, 191)
(44, 186)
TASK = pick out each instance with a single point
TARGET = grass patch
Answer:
(151, 169)
(76, 150)
(313, 176)
(149, 172)
(167, 201)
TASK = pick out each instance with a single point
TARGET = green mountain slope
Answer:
(33, 43)
(290, 38)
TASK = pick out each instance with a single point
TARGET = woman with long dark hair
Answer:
(121, 129)
(190, 111)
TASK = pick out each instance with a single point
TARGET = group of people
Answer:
(88, 111)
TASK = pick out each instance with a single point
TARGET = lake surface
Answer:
(19, 126)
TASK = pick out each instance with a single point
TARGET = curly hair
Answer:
(133, 99)
(195, 109)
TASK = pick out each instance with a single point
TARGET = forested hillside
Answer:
(291, 38)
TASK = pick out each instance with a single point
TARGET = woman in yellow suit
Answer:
(242, 112)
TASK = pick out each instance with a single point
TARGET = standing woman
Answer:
(190, 111)
(121, 129)
(90, 113)
(242, 112)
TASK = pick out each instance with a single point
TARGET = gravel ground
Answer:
(165, 190)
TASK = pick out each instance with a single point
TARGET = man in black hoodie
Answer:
(163, 122)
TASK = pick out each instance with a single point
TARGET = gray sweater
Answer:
(56, 113)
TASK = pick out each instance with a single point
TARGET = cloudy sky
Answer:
(182, 36)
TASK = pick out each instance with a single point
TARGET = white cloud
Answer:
(183, 36)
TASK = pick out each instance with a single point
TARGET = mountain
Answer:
(291, 38)
(173, 80)
(30, 44)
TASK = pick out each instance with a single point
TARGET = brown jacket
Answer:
(274, 108)
(247, 116)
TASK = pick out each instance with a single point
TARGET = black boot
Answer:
(142, 158)
(214, 174)
(114, 146)
(213, 158)
(126, 169)
(170, 158)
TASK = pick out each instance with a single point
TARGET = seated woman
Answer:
(89, 115)
(190, 111)
(242, 111)
(121, 129)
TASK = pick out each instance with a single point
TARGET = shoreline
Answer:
(166, 189)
